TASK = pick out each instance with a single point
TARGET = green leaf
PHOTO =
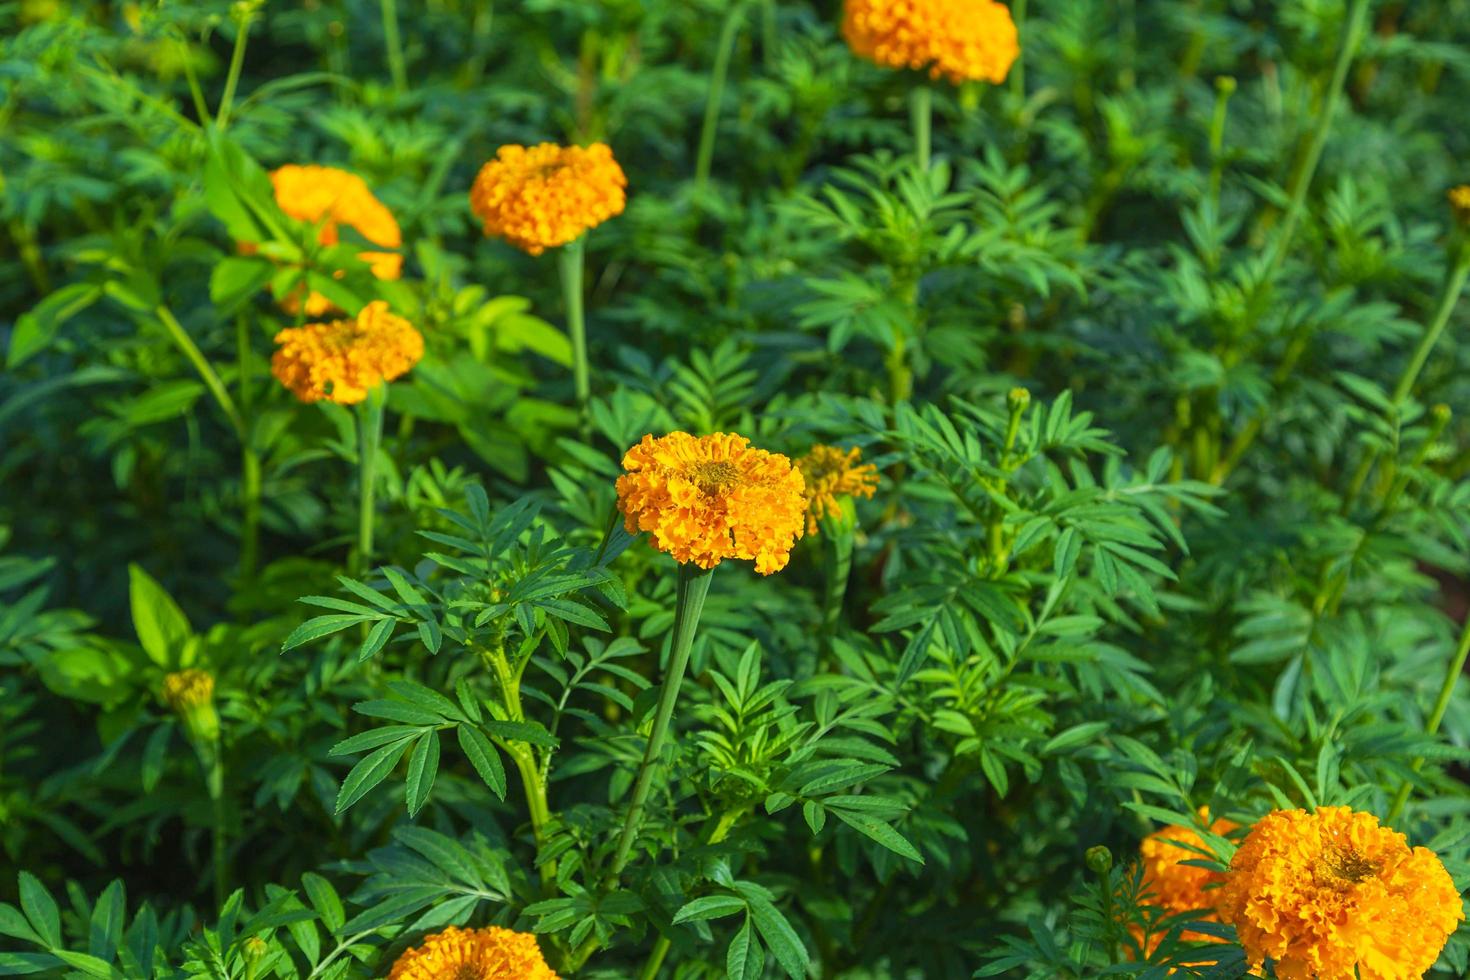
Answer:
(377, 638)
(318, 627)
(423, 766)
(157, 619)
(40, 909)
(373, 738)
(235, 280)
(783, 941)
(35, 330)
(324, 899)
(13, 924)
(1076, 735)
(90, 965)
(709, 907)
(878, 831)
(744, 960)
(484, 757)
(522, 731)
(369, 772)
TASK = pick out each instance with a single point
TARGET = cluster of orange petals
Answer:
(1332, 895)
(830, 472)
(713, 497)
(491, 953)
(1174, 886)
(961, 40)
(333, 198)
(343, 359)
(548, 195)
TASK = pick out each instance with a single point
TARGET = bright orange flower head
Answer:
(1177, 887)
(491, 953)
(961, 40)
(544, 196)
(830, 472)
(334, 198)
(341, 360)
(1335, 896)
(713, 497)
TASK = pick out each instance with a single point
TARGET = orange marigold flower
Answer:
(333, 198)
(1335, 896)
(1460, 203)
(341, 360)
(962, 40)
(544, 196)
(1174, 886)
(713, 497)
(491, 953)
(830, 472)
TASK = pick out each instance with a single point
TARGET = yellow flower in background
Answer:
(714, 497)
(335, 198)
(544, 196)
(1334, 895)
(830, 472)
(1174, 886)
(961, 40)
(1460, 203)
(190, 695)
(341, 360)
(491, 953)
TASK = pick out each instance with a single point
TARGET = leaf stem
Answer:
(693, 586)
(369, 435)
(237, 61)
(201, 364)
(921, 111)
(1441, 705)
(718, 73)
(389, 9)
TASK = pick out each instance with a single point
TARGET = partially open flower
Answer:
(714, 497)
(961, 40)
(545, 196)
(1460, 203)
(1332, 894)
(190, 695)
(491, 953)
(831, 473)
(343, 359)
(334, 198)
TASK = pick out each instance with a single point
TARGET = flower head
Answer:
(491, 953)
(1334, 895)
(334, 198)
(1460, 203)
(713, 497)
(190, 695)
(830, 472)
(961, 40)
(544, 196)
(1174, 886)
(341, 360)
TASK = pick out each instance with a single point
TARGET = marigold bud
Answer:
(1099, 859)
(190, 694)
(1460, 203)
(1017, 399)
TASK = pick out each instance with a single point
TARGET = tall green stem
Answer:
(717, 76)
(693, 586)
(570, 261)
(837, 541)
(211, 757)
(237, 61)
(395, 45)
(369, 435)
(206, 371)
(1441, 705)
(1454, 286)
(1018, 70)
(921, 111)
(250, 484)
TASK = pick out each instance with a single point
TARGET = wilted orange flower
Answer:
(1460, 203)
(544, 196)
(713, 497)
(962, 40)
(1335, 896)
(341, 360)
(1174, 886)
(335, 198)
(491, 953)
(830, 472)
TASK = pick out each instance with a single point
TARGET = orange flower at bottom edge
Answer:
(1172, 885)
(1332, 895)
(341, 360)
(491, 953)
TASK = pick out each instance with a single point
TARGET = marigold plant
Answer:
(708, 498)
(961, 40)
(1334, 895)
(491, 953)
(340, 361)
(544, 196)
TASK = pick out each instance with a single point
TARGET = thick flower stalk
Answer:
(491, 953)
(706, 499)
(343, 360)
(189, 694)
(958, 40)
(332, 199)
(545, 196)
(1174, 886)
(1332, 895)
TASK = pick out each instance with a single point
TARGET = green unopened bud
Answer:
(1017, 399)
(1100, 859)
(190, 693)
(1440, 415)
(1225, 84)
(255, 948)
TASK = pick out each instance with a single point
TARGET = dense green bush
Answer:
(1158, 361)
